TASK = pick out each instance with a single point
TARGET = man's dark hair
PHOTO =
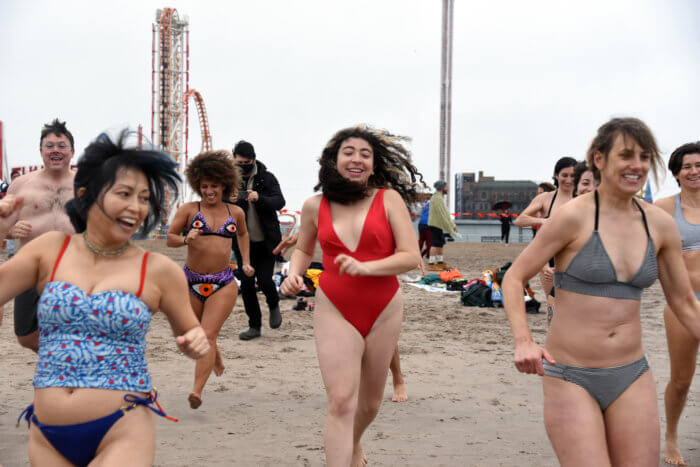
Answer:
(57, 128)
(244, 149)
(97, 171)
(675, 162)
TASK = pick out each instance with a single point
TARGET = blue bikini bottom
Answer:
(79, 442)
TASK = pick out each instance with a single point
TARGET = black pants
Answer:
(264, 263)
(505, 232)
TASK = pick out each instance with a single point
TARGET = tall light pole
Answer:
(446, 91)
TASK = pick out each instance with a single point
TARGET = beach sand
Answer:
(468, 406)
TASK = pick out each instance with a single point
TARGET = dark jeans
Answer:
(505, 232)
(264, 263)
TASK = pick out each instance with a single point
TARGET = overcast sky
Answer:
(532, 81)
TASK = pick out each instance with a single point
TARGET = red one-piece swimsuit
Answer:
(360, 299)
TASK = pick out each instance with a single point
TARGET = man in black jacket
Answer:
(259, 197)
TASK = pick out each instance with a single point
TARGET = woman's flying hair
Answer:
(99, 166)
(392, 167)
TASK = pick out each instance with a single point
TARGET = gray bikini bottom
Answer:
(603, 384)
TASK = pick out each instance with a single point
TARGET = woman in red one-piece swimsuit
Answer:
(367, 238)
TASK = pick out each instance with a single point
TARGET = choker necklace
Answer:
(104, 251)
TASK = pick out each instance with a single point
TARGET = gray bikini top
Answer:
(591, 272)
(690, 233)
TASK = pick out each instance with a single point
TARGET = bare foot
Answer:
(218, 362)
(195, 400)
(399, 393)
(359, 459)
(672, 454)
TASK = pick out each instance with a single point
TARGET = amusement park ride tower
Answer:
(170, 89)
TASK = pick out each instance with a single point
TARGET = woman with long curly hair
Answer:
(209, 225)
(362, 222)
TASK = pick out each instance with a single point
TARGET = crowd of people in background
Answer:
(595, 247)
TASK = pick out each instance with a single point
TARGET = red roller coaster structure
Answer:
(170, 89)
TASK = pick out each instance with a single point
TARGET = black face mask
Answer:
(246, 168)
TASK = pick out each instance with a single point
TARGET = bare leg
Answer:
(632, 422)
(397, 378)
(683, 349)
(219, 366)
(339, 348)
(574, 424)
(380, 344)
(213, 314)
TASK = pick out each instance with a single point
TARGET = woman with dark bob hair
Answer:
(599, 395)
(682, 345)
(209, 225)
(97, 294)
(362, 222)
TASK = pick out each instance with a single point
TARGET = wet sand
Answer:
(467, 403)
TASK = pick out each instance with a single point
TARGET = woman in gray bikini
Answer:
(682, 346)
(540, 209)
(599, 395)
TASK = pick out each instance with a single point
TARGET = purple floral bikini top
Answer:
(227, 229)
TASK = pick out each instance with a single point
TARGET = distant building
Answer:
(474, 196)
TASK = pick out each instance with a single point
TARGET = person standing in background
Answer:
(260, 197)
(424, 230)
(439, 221)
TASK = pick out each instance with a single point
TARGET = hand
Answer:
(21, 229)
(286, 244)
(10, 204)
(350, 266)
(457, 235)
(252, 196)
(193, 343)
(292, 285)
(548, 273)
(528, 358)
(248, 270)
(192, 236)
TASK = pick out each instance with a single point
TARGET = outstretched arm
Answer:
(530, 216)
(304, 252)
(175, 303)
(674, 278)
(243, 240)
(406, 256)
(174, 239)
(552, 239)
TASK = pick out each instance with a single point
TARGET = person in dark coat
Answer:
(260, 198)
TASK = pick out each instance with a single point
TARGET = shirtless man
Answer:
(45, 193)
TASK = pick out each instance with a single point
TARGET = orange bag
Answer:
(450, 275)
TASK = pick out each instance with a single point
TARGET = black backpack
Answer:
(477, 294)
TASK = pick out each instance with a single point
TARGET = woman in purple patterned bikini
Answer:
(97, 294)
(209, 225)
